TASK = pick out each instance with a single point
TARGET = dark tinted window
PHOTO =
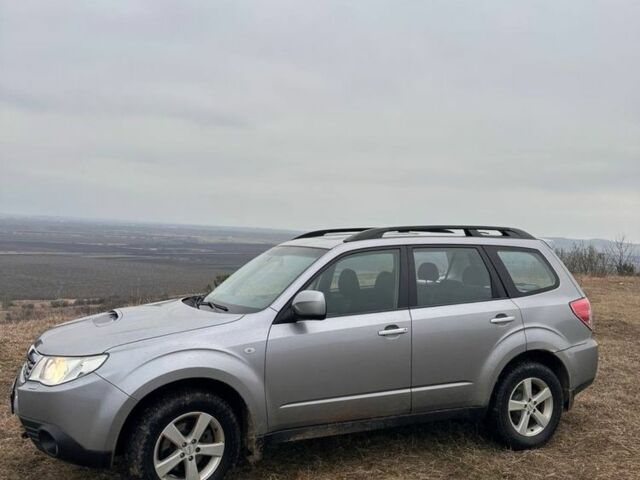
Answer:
(527, 269)
(360, 283)
(447, 276)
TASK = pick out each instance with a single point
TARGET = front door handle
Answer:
(392, 330)
(501, 319)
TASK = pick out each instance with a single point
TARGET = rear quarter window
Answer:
(528, 270)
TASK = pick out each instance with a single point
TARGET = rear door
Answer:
(345, 367)
(463, 326)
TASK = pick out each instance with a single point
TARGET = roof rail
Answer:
(321, 233)
(469, 231)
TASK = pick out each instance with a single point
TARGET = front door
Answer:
(345, 367)
(462, 325)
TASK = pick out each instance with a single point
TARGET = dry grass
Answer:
(598, 439)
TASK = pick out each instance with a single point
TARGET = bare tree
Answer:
(620, 253)
(584, 259)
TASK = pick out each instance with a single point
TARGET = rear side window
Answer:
(528, 270)
(450, 275)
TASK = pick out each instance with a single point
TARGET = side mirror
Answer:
(309, 305)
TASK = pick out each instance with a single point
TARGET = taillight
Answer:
(582, 309)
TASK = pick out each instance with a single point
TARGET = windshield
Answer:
(259, 282)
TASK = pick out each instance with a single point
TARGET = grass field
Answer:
(598, 439)
(62, 258)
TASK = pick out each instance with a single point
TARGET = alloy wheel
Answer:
(530, 406)
(189, 448)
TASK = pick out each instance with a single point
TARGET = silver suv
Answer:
(333, 332)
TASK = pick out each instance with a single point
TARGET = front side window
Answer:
(446, 276)
(258, 283)
(527, 269)
(360, 283)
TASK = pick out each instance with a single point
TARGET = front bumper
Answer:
(53, 441)
(73, 421)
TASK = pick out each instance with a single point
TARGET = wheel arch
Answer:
(543, 357)
(222, 389)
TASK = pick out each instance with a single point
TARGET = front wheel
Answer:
(526, 406)
(193, 435)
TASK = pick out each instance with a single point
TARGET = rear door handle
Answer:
(502, 319)
(392, 330)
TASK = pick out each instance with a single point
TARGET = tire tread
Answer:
(141, 442)
(498, 422)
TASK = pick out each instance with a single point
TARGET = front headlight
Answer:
(56, 370)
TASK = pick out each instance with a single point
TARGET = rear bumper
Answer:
(572, 394)
(51, 440)
(582, 365)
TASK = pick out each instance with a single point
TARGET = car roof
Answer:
(335, 242)
(327, 242)
(413, 235)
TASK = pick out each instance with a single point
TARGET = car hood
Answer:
(98, 333)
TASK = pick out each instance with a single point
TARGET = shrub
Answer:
(584, 259)
(621, 253)
(626, 269)
(7, 303)
(59, 303)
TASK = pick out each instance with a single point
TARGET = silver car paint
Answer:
(338, 369)
(456, 348)
(87, 337)
(309, 304)
(232, 353)
(313, 371)
(84, 408)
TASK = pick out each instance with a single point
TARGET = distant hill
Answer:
(45, 257)
(48, 257)
(566, 243)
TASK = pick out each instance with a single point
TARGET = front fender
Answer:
(161, 370)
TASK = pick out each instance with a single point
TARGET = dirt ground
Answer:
(598, 439)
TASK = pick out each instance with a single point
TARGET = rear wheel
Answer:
(526, 406)
(186, 436)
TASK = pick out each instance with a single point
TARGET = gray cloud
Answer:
(131, 105)
(283, 114)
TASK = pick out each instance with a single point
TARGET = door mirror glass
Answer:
(309, 305)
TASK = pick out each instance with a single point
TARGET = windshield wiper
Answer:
(218, 306)
(211, 305)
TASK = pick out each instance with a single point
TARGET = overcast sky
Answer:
(303, 114)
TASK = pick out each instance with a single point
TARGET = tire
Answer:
(518, 422)
(149, 442)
